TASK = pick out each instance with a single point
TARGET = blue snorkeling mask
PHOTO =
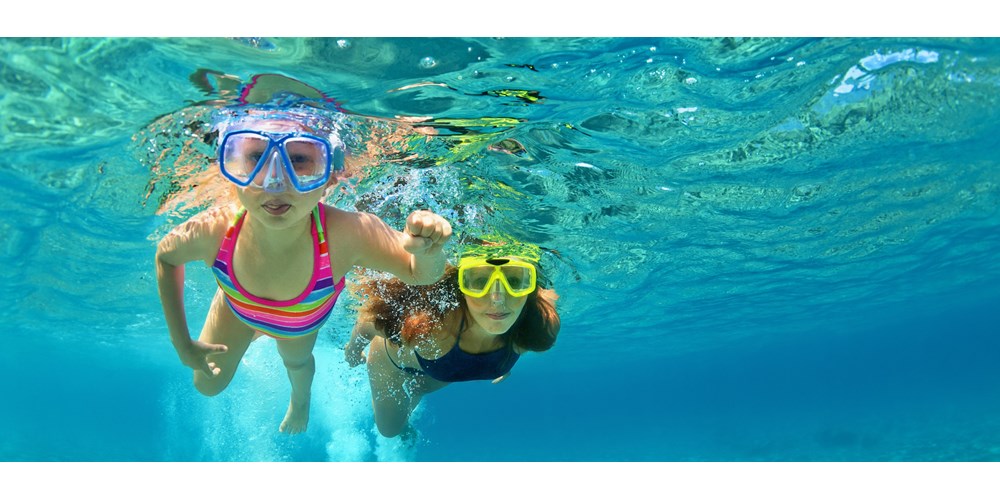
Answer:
(270, 160)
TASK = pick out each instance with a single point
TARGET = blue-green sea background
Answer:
(766, 249)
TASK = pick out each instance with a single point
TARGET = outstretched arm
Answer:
(414, 255)
(192, 240)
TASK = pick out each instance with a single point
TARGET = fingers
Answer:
(417, 244)
(211, 370)
(356, 360)
(429, 225)
(207, 366)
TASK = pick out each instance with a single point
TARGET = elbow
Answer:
(164, 260)
(161, 261)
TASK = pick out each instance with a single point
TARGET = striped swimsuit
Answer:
(281, 319)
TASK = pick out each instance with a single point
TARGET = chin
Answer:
(494, 327)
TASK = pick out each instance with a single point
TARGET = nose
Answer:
(274, 177)
(497, 294)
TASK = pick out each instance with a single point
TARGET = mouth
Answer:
(275, 207)
(497, 316)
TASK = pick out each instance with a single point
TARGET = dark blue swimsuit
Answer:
(460, 366)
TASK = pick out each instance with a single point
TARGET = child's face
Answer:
(285, 206)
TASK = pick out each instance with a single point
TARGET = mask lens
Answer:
(519, 279)
(309, 160)
(242, 153)
(476, 279)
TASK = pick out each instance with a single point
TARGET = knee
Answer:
(299, 363)
(391, 422)
(210, 386)
(390, 429)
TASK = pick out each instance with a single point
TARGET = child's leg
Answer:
(301, 365)
(222, 327)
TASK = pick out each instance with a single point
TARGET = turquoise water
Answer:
(766, 249)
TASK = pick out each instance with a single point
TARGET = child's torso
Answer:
(283, 295)
(279, 276)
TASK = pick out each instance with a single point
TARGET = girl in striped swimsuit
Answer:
(280, 259)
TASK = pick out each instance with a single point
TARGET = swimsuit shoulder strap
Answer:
(319, 219)
(239, 215)
(229, 242)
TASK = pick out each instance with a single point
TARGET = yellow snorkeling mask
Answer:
(477, 275)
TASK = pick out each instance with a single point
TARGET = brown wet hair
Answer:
(405, 313)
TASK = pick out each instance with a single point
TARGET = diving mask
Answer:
(306, 159)
(477, 275)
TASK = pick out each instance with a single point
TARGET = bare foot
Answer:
(296, 418)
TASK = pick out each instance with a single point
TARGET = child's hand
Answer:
(196, 357)
(427, 231)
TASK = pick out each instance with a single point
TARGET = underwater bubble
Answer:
(344, 44)
(428, 62)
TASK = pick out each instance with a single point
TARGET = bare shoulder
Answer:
(447, 330)
(343, 221)
(440, 337)
(335, 215)
(197, 238)
(341, 228)
(358, 236)
(210, 224)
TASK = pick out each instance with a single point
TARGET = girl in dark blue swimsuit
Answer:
(473, 324)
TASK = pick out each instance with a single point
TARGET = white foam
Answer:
(241, 423)
(341, 404)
